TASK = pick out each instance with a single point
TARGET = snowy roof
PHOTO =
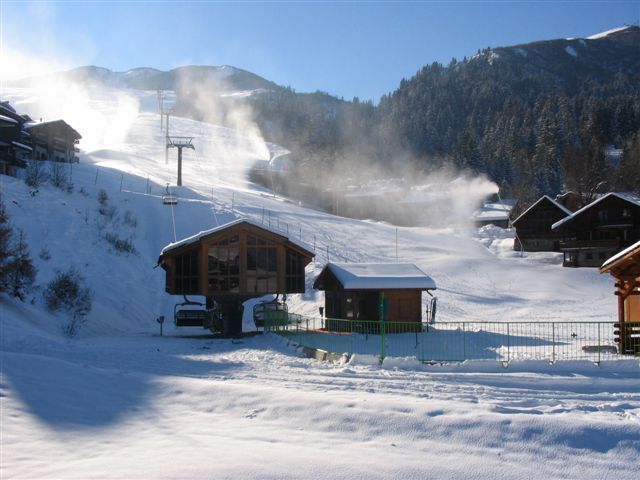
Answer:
(494, 211)
(619, 255)
(22, 146)
(197, 237)
(356, 276)
(624, 196)
(547, 197)
(4, 118)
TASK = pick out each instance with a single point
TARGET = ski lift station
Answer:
(228, 265)
(242, 259)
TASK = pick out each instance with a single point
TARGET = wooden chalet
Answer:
(14, 140)
(533, 226)
(233, 262)
(356, 291)
(55, 141)
(599, 230)
(497, 212)
(625, 269)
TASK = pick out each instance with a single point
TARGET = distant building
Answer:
(599, 230)
(625, 268)
(533, 226)
(356, 293)
(496, 213)
(14, 140)
(55, 141)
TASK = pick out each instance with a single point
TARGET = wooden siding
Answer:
(242, 231)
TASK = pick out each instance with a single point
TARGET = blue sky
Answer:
(348, 49)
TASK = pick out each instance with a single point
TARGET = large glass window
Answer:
(187, 273)
(262, 266)
(294, 273)
(224, 265)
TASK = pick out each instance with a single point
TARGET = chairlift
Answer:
(271, 313)
(169, 198)
(191, 314)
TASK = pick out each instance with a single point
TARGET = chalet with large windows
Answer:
(359, 294)
(533, 226)
(233, 262)
(599, 230)
(54, 141)
(625, 269)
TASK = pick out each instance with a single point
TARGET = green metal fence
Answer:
(454, 341)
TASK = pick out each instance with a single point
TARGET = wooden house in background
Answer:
(625, 269)
(496, 212)
(533, 226)
(357, 293)
(232, 263)
(599, 230)
(14, 140)
(54, 141)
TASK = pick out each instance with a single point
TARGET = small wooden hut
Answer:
(359, 294)
(625, 268)
(234, 262)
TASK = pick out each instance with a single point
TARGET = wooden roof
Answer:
(197, 238)
(547, 198)
(631, 199)
(626, 262)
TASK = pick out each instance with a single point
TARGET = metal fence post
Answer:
(508, 344)
(553, 342)
(382, 339)
(599, 343)
(464, 340)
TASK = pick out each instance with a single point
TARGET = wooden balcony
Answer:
(588, 244)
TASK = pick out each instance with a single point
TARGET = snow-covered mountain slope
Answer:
(120, 402)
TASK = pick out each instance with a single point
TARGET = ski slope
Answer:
(118, 401)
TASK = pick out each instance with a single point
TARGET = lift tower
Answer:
(180, 143)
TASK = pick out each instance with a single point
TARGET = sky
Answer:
(347, 49)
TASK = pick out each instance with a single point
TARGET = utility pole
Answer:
(161, 106)
(166, 138)
(179, 143)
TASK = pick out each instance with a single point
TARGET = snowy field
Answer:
(118, 401)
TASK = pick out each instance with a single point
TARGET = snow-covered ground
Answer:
(118, 401)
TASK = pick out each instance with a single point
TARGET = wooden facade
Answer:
(239, 259)
(533, 226)
(625, 269)
(599, 230)
(54, 141)
(14, 140)
(364, 298)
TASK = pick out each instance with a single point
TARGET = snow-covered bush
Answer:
(59, 176)
(120, 245)
(105, 209)
(35, 174)
(130, 219)
(67, 292)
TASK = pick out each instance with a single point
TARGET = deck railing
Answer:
(455, 341)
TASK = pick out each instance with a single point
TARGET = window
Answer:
(224, 265)
(187, 273)
(294, 273)
(626, 212)
(262, 266)
(603, 215)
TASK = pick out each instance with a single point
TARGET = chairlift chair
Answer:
(271, 313)
(196, 316)
(169, 198)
